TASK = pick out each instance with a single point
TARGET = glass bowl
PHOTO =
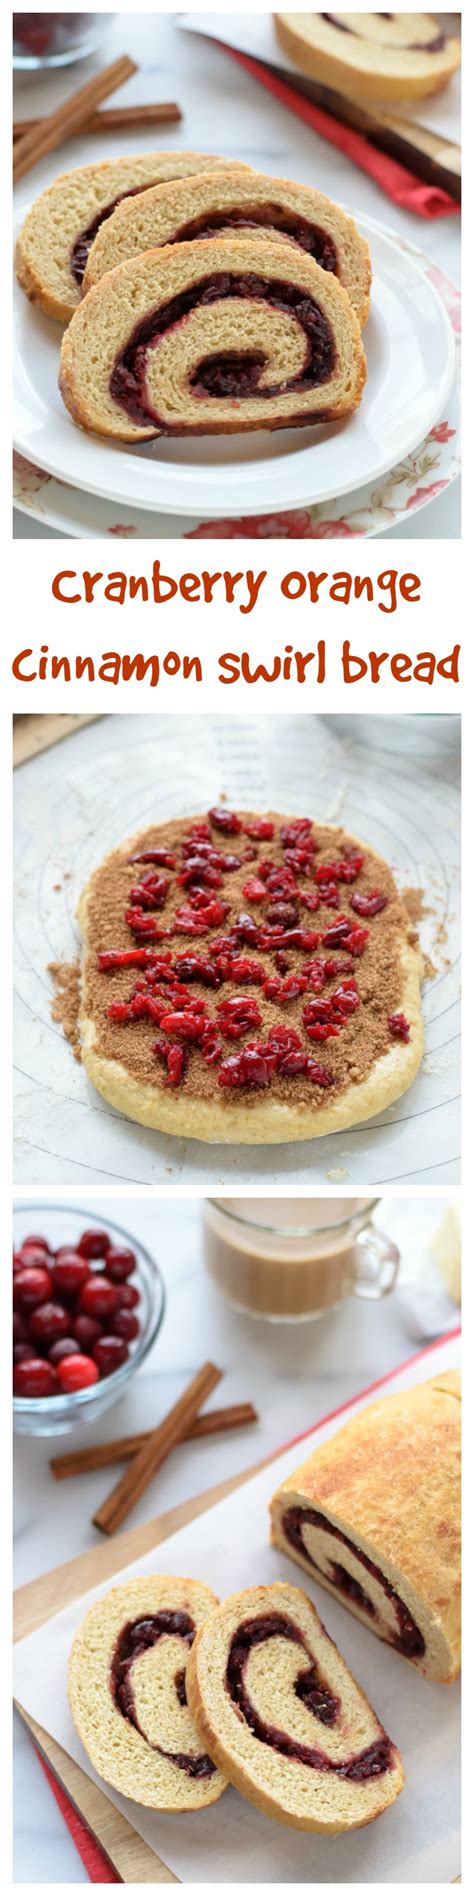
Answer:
(45, 40)
(57, 1415)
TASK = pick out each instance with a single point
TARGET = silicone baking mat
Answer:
(394, 781)
(418, 1839)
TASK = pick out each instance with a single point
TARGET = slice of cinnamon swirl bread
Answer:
(372, 55)
(57, 234)
(212, 338)
(282, 1717)
(228, 203)
(128, 1694)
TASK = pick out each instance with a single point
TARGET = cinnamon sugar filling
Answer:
(265, 984)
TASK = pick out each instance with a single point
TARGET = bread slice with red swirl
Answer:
(212, 338)
(128, 1694)
(279, 1712)
(374, 1516)
(226, 203)
(62, 224)
(371, 55)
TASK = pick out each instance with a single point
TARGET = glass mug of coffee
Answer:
(291, 1259)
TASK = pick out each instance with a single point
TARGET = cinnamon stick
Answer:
(115, 118)
(70, 117)
(136, 1477)
(84, 1461)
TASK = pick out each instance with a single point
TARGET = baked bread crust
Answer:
(67, 208)
(101, 330)
(257, 1118)
(168, 209)
(290, 1791)
(366, 61)
(119, 1751)
(389, 1481)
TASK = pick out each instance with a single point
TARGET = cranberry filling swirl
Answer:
(380, 1603)
(312, 1691)
(230, 374)
(83, 243)
(138, 1637)
(381, 37)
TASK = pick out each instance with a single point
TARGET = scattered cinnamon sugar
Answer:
(363, 1040)
(417, 908)
(414, 901)
(66, 977)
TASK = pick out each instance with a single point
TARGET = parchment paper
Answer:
(417, 1841)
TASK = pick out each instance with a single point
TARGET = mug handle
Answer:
(377, 1265)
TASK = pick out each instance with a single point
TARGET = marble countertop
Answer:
(226, 111)
(293, 1373)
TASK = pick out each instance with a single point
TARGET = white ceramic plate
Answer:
(411, 360)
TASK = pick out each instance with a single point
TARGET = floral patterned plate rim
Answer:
(407, 489)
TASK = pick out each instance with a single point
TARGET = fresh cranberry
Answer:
(49, 1322)
(98, 1298)
(109, 1353)
(19, 1262)
(127, 1297)
(125, 1324)
(32, 1286)
(67, 1346)
(119, 1265)
(70, 1273)
(35, 1378)
(369, 904)
(23, 1353)
(399, 1026)
(31, 1254)
(76, 1372)
(226, 820)
(20, 1328)
(260, 828)
(87, 1331)
(94, 1243)
(35, 1243)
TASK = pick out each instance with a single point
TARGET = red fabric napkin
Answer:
(98, 1868)
(406, 190)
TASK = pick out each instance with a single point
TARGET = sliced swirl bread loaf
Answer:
(374, 1516)
(371, 55)
(281, 1715)
(57, 234)
(212, 338)
(127, 1692)
(225, 202)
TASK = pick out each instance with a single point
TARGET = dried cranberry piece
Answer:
(282, 915)
(254, 890)
(260, 828)
(248, 1068)
(194, 921)
(284, 1039)
(293, 832)
(272, 987)
(310, 899)
(290, 938)
(239, 968)
(142, 924)
(238, 1015)
(247, 929)
(329, 893)
(151, 893)
(163, 858)
(229, 863)
(399, 1026)
(125, 958)
(336, 936)
(369, 904)
(319, 1075)
(226, 820)
(174, 1058)
(198, 869)
(281, 961)
(292, 1063)
(187, 1026)
(345, 998)
(345, 870)
(300, 861)
(211, 1048)
(196, 968)
(281, 883)
(356, 941)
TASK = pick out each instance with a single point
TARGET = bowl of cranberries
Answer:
(88, 1302)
